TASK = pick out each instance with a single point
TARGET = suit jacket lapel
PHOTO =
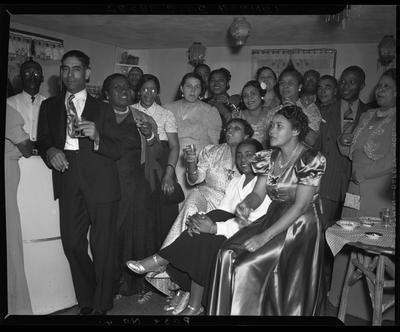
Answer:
(90, 108)
(59, 115)
(334, 118)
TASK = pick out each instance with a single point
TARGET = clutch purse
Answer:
(352, 201)
(176, 197)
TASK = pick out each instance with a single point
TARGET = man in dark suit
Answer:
(337, 118)
(85, 181)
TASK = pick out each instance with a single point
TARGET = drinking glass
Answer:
(189, 152)
(138, 122)
(78, 120)
(192, 147)
(386, 217)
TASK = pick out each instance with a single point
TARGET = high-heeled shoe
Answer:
(193, 311)
(138, 268)
(182, 304)
(173, 303)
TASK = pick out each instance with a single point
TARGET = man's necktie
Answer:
(348, 119)
(72, 114)
(33, 99)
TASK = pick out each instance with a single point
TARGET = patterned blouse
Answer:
(164, 118)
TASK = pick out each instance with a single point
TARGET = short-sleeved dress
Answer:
(196, 123)
(214, 174)
(285, 276)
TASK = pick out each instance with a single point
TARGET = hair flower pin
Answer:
(263, 86)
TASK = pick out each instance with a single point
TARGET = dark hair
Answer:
(261, 69)
(224, 72)
(251, 141)
(391, 73)
(108, 80)
(201, 65)
(312, 71)
(194, 75)
(145, 78)
(298, 119)
(358, 70)
(329, 77)
(293, 72)
(79, 55)
(257, 85)
(248, 129)
(135, 68)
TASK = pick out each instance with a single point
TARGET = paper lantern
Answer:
(387, 50)
(197, 54)
(240, 29)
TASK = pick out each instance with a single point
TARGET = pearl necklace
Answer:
(124, 112)
(390, 111)
(288, 161)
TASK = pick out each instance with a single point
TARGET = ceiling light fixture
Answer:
(240, 30)
(196, 54)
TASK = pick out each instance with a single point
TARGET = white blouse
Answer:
(234, 194)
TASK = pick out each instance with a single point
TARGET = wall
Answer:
(169, 65)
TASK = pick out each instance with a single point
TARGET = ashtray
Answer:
(348, 225)
(373, 235)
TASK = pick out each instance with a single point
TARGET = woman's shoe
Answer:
(193, 311)
(173, 303)
(182, 304)
(138, 268)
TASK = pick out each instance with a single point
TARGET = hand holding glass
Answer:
(78, 122)
(189, 153)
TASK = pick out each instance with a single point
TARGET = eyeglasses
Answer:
(147, 90)
(36, 72)
(310, 79)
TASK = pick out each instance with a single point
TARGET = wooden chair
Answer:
(371, 262)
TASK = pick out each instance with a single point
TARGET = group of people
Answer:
(266, 172)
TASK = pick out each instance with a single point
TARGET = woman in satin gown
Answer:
(189, 258)
(274, 266)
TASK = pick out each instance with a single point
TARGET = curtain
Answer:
(321, 60)
(23, 46)
(277, 60)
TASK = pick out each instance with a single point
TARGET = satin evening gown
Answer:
(284, 277)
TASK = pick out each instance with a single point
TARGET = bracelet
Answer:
(171, 166)
(270, 236)
(151, 137)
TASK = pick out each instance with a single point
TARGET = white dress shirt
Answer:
(29, 110)
(79, 102)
